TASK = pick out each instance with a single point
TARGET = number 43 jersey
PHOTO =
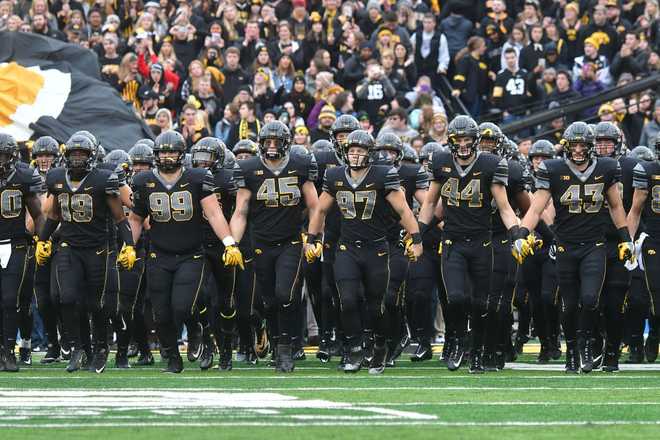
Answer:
(83, 205)
(174, 209)
(276, 205)
(465, 191)
(578, 196)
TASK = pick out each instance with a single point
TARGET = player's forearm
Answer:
(237, 225)
(633, 221)
(426, 212)
(509, 218)
(618, 216)
(221, 228)
(409, 222)
(49, 226)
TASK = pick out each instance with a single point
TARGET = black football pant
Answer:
(131, 290)
(395, 295)
(15, 289)
(462, 260)
(278, 267)
(651, 258)
(82, 279)
(540, 277)
(330, 317)
(615, 290)
(581, 273)
(638, 308)
(221, 296)
(362, 273)
(423, 280)
(46, 301)
(175, 283)
(250, 304)
(500, 299)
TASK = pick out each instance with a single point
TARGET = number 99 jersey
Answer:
(84, 210)
(366, 214)
(276, 205)
(465, 191)
(174, 210)
(578, 196)
(21, 184)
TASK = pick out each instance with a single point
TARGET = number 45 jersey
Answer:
(83, 205)
(276, 205)
(174, 209)
(578, 196)
(465, 191)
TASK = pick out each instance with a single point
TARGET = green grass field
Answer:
(414, 401)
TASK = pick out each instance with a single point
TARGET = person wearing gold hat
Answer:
(327, 117)
(591, 56)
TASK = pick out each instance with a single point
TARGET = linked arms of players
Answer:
(615, 203)
(397, 200)
(232, 255)
(639, 199)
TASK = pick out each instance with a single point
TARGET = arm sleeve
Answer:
(542, 177)
(36, 183)
(312, 169)
(231, 186)
(112, 185)
(208, 185)
(239, 177)
(327, 184)
(615, 175)
(392, 181)
(640, 177)
(422, 179)
(501, 175)
(139, 199)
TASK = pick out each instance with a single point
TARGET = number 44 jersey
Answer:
(578, 196)
(276, 205)
(174, 209)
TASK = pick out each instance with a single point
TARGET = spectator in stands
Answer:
(652, 128)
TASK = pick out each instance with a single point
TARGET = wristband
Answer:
(423, 228)
(314, 238)
(416, 238)
(624, 235)
(47, 230)
(228, 241)
(125, 232)
(545, 231)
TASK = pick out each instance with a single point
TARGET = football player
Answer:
(83, 198)
(175, 199)
(20, 188)
(469, 182)
(274, 189)
(578, 185)
(365, 194)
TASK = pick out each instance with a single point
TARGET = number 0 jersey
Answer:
(578, 196)
(326, 160)
(276, 204)
(84, 205)
(517, 178)
(226, 194)
(465, 191)
(21, 184)
(647, 177)
(366, 214)
(174, 209)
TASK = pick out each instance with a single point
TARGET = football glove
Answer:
(43, 252)
(520, 249)
(535, 243)
(313, 251)
(627, 251)
(127, 257)
(233, 256)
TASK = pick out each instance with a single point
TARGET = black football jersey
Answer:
(174, 210)
(516, 183)
(647, 176)
(276, 204)
(578, 197)
(627, 165)
(84, 209)
(326, 160)
(21, 184)
(226, 194)
(365, 213)
(412, 178)
(465, 191)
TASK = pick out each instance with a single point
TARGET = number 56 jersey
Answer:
(174, 209)
(578, 196)
(276, 205)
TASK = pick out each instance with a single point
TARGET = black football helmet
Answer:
(343, 124)
(427, 151)
(462, 126)
(322, 145)
(166, 142)
(608, 131)
(230, 160)
(246, 146)
(100, 154)
(142, 153)
(119, 159)
(491, 138)
(361, 139)
(79, 167)
(578, 133)
(281, 134)
(542, 148)
(389, 142)
(208, 152)
(299, 150)
(8, 153)
(99, 151)
(642, 153)
(45, 146)
(409, 154)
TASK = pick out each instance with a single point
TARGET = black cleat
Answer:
(174, 364)
(587, 355)
(87, 359)
(635, 354)
(377, 364)
(10, 362)
(145, 358)
(206, 359)
(323, 353)
(285, 362)
(651, 348)
(354, 359)
(455, 355)
(251, 357)
(611, 362)
(490, 362)
(65, 352)
(544, 355)
(52, 354)
(343, 360)
(76, 358)
(133, 351)
(121, 360)
(2, 359)
(476, 362)
(195, 349)
(25, 356)
(424, 352)
(521, 340)
(598, 352)
(446, 349)
(99, 361)
(400, 346)
(555, 349)
(224, 361)
(572, 361)
(299, 354)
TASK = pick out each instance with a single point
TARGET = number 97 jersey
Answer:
(578, 196)
(174, 209)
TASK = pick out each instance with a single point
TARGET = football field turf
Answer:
(413, 401)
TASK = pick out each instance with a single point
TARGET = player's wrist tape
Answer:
(624, 235)
(228, 241)
(545, 232)
(314, 238)
(423, 228)
(125, 232)
(416, 238)
(47, 230)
